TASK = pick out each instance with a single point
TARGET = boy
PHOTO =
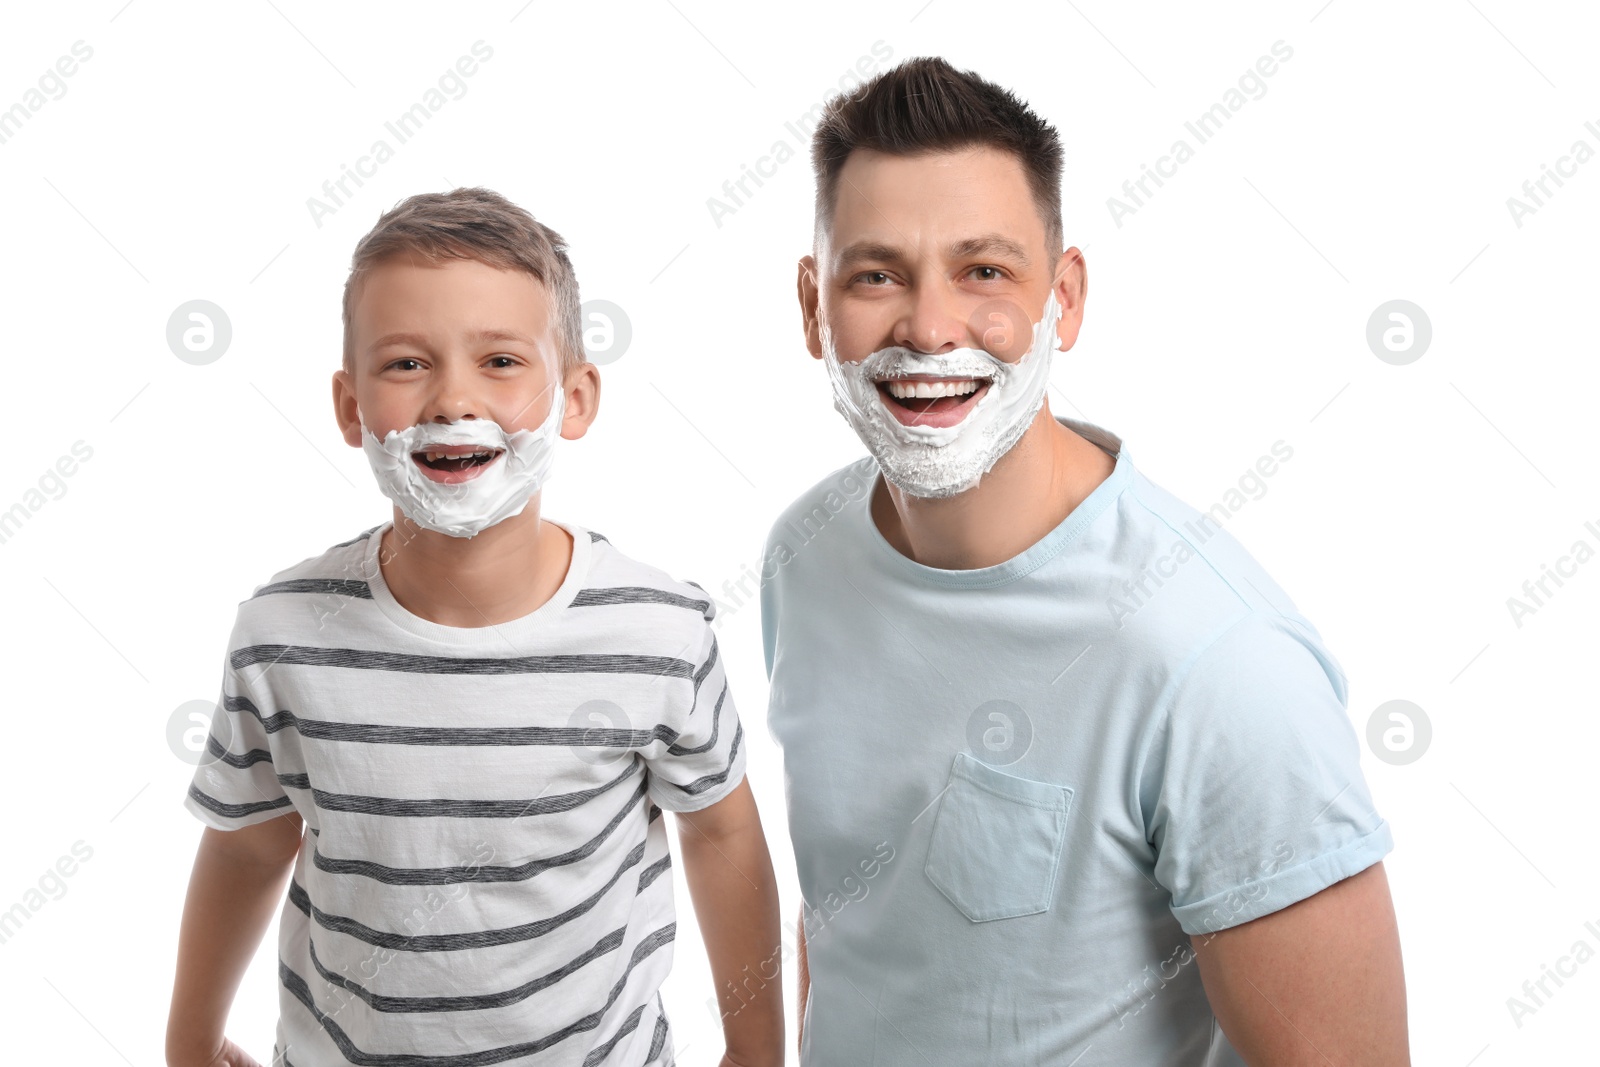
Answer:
(478, 713)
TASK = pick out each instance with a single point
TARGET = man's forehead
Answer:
(952, 203)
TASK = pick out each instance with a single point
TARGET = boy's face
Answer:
(458, 340)
(936, 252)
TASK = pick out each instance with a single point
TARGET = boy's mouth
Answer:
(454, 463)
(922, 401)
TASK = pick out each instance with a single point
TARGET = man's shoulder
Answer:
(824, 501)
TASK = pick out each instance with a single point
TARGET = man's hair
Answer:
(926, 105)
(478, 224)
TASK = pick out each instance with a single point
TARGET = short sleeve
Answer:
(700, 758)
(236, 782)
(1252, 791)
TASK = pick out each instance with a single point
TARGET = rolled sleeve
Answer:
(1254, 794)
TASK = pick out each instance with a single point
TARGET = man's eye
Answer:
(872, 277)
(994, 275)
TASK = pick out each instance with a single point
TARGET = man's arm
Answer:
(1317, 983)
(735, 896)
(234, 891)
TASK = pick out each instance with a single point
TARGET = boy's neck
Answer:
(1028, 492)
(506, 571)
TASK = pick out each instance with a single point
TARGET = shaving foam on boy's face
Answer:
(461, 477)
(931, 447)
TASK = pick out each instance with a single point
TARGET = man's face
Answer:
(933, 253)
(460, 340)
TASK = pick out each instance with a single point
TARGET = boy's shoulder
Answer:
(342, 564)
(334, 575)
(616, 578)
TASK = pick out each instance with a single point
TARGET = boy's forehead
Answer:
(416, 295)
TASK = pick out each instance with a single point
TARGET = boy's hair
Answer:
(926, 105)
(480, 224)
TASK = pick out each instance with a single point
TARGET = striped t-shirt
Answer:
(485, 878)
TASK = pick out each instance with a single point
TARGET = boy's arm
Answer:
(804, 982)
(234, 891)
(735, 896)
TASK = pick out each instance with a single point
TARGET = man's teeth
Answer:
(906, 390)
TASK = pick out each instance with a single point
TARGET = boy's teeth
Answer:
(909, 389)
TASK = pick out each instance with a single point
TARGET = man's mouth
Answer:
(454, 463)
(932, 402)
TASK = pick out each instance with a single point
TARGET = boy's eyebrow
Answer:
(476, 336)
(988, 244)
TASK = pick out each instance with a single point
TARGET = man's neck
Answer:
(1028, 492)
(506, 571)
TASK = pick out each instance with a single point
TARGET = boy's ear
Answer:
(582, 385)
(345, 409)
(806, 289)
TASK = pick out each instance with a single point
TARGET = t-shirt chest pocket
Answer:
(996, 843)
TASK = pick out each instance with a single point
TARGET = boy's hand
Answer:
(229, 1055)
(729, 1061)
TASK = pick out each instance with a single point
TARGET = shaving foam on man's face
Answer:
(461, 477)
(962, 409)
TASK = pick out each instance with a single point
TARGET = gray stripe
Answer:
(716, 728)
(378, 734)
(659, 1040)
(507, 935)
(236, 811)
(334, 586)
(302, 992)
(244, 759)
(381, 1002)
(654, 871)
(593, 537)
(705, 669)
(450, 875)
(450, 807)
(600, 1052)
(362, 536)
(369, 659)
(636, 594)
(700, 785)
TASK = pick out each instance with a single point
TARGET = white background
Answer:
(1227, 313)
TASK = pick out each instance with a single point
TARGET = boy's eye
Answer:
(509, 361)
(397, 363)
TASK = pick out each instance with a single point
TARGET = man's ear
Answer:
(582, 385)
(806, 288)
(1072, 288)
(345, 410)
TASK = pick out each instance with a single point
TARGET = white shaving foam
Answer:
(941, 461)
(463, 509)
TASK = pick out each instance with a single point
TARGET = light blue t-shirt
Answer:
(1015, 792)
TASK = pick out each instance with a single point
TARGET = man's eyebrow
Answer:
(867, 252)
(989, 244)
(475, 336)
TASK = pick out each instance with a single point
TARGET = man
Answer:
(1070, 780)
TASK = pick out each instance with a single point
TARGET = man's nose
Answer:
(933, 321)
